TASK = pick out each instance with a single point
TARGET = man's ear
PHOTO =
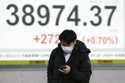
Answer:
(74, 42)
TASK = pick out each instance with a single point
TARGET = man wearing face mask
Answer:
(69, 62)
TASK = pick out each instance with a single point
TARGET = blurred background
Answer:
(29, 30)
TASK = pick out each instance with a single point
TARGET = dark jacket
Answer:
(78, 61)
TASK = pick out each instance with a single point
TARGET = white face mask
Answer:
(67, 49)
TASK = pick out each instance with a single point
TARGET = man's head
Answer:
(67, 39)
(68, 36)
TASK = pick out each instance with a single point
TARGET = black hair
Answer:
(68, 36)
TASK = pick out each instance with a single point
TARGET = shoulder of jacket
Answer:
(56, 50)
(82, 47)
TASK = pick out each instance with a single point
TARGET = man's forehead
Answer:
(66, 44)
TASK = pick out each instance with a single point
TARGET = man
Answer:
(69, 62)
